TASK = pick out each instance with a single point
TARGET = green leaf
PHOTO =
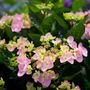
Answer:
(86, 62)
(39, 88)
(60, 21)
(47, 24)
(35, 38)
(86, 84)
(35, 16)
(77, 4)
(1, 57)
(8, 32)
(33, 8)
(36, 22)
(77, 30)
(59, 6)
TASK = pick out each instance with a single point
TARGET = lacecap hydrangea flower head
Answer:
(39, 62)
(16, 22)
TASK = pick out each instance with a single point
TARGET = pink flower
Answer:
(22, 69)
(23, 63)
(21, 43)
(83, 50)
(77, 88)
(5, 19)
(36, 56)
(18, 17)
(45, 64)
(79, 52)
(87, 12)
(36, 76)
(86, 34)
(67, 57)
(16, 26)
(70, 39)
(71, 42)
(17, 23)
(47, 37)
(78, 55)
(44, 78)
(20, 51)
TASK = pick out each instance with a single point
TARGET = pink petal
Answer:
(18, 17)
(86, 34)
(22, 69)
(70, 39)
(67, 57)
(46, 83)
(83, 49)
(44, 80)
(78, 55)
(77, 88)
(16, 26)
(73, 44)
(36, 76)
(71, 61)
(23, 60)
(79, 59)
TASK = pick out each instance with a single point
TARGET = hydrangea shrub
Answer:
(47, 47)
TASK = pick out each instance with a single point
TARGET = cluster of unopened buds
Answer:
(41, 59)
(16, 22)
(80, 16)
(74, 16)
